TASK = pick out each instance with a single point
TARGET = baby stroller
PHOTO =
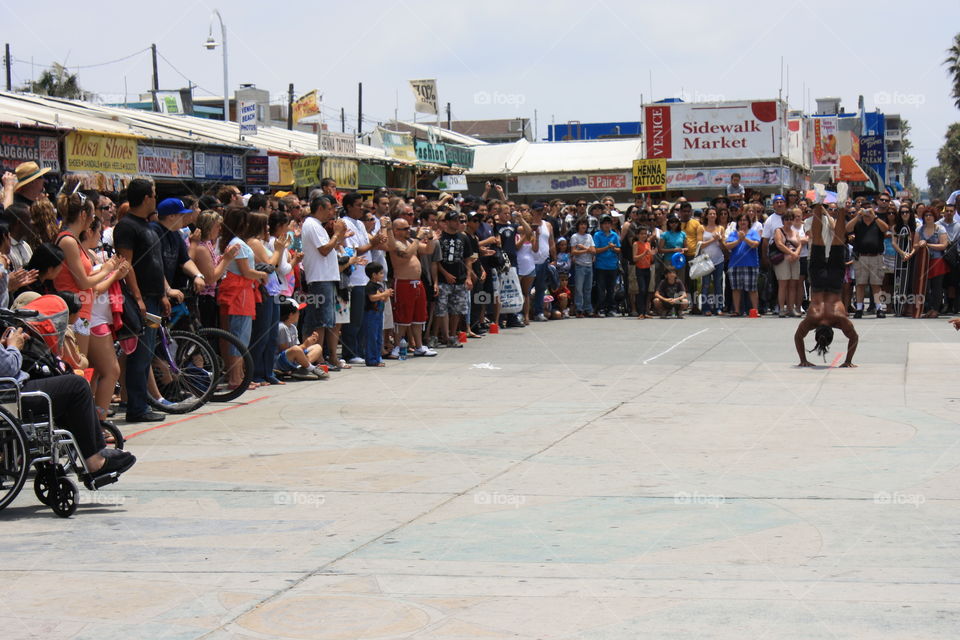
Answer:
(28, 436)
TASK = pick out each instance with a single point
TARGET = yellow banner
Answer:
(345, 172)
(649, 175)
(306, 171)
(284, 173)
(101, 153)
(307, 105)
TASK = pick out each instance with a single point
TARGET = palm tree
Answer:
(57, 82)
(953, 68)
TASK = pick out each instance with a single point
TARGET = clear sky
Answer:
(586, 60)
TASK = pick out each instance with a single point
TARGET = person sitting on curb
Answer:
(299, 359)
(671, 295)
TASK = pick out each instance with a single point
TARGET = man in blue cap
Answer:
(178, 269)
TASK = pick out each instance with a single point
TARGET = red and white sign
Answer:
(715, 131)
(574, 183)
(617, 182)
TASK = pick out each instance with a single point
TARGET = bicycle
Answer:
(186, 371)
(189, 320)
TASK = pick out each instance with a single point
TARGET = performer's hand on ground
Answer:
(956, 323)
(805, 363)
(848, 365)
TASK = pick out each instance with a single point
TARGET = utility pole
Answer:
(343, 120)
(290, 107)
(448, 116)
(7, 61)
(359, 108)
(156, 76)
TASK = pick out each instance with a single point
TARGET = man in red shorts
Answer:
(410, 304)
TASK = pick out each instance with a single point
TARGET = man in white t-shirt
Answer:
(321, 273)
(352, 335)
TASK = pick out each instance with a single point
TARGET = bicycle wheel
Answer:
(13, 459)
(112, 435)
(186, 376)
(219, 341)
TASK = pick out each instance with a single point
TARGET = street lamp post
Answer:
(211, 44)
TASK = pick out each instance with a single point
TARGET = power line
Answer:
(84, 66)
(182, 75)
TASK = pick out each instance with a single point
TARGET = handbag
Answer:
(702, 265)
(129, 316)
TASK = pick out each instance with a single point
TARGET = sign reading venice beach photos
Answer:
(715, 131)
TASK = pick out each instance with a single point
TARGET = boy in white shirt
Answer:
(293, 357)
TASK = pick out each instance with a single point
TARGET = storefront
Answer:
(106, 162)
(22, 145)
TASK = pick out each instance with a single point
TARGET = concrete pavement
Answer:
(582, 479)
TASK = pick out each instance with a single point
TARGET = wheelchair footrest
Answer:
(95, 482)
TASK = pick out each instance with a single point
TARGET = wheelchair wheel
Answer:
(188, 378)
(112, 435)
(63, 497)
(43, 482)
(219, 341)
(13, 459)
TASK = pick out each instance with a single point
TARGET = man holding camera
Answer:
(410, 308)
(868, 231)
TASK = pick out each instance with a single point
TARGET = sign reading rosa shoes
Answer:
(101, 153)
(715, 131)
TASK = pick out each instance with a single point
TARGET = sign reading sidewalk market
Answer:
(17, 147)
(458, 156)
(398, 145)
(345, 172)
(165, 161)
(101, 153)
(649, 176)
(217, 166)
(306, 171)
(307, 105)
(433, 153)
(341, 144)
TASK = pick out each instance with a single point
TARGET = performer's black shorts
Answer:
(826, 275)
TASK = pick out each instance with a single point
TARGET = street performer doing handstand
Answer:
(826, 310)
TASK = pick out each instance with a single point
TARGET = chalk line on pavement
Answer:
(692, 335)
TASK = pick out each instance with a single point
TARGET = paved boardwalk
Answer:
(580, 479)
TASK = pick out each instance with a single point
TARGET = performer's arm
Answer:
(852, 341)
(802, 330)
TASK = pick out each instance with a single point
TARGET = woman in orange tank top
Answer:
(76, 212)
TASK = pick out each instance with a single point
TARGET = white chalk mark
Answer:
(484, 365)
(692, 335)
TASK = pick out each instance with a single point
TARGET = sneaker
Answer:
(424, 352)
(858, 314)
(304, 374)
(395, 352)
(540, 318)
(149, 416)
(433, 342)
(609, 314)
(881, 314)
(453, 344)
(356, 360)
(165, 402)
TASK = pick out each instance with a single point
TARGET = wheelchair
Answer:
(28, 438)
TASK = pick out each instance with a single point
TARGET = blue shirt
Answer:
(743, 255)
(673, 239)
(608, 260)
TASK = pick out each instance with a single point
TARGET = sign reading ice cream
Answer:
(715, 131)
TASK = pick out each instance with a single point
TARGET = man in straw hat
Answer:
(30, 182)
